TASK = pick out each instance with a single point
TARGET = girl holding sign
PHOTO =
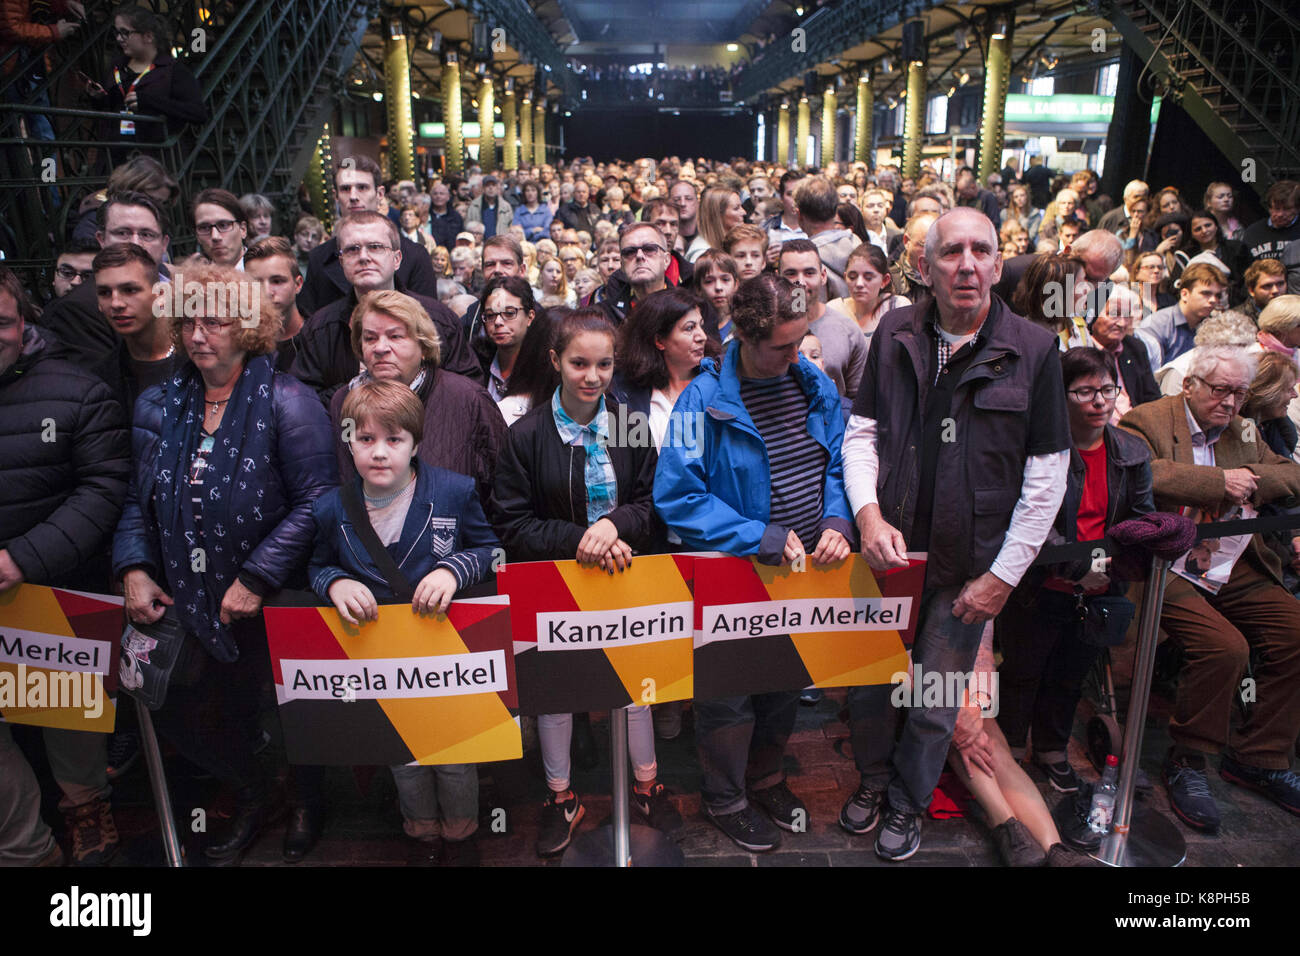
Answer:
(565, 491)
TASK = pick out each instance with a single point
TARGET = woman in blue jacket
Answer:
(752, 466)
(227, 458)
(534, 215)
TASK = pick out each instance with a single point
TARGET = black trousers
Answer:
(1043, 667)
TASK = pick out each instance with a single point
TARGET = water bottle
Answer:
(1103, 797)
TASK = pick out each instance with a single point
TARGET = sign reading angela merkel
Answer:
(405, 689)
(58, 658)
(760, 628)
(588, 640)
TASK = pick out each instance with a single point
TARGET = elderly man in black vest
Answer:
(958, 446)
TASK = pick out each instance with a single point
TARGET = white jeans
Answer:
(556, 733)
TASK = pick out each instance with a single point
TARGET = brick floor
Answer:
(365, 827)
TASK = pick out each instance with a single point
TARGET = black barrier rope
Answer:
(1082, 550)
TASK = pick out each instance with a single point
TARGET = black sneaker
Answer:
(748, 829)
(1060, 775)
(657, 809)
(1017, 846)
(786, 810)
(1060, 856)
(900, 837)
(1283, 786)
(1189, 795)
(862, 812)
(123, 752)
(559, 820)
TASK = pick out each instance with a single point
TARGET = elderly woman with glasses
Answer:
(227, 457)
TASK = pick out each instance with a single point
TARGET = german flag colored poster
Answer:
(588, 640)
(760, 628)
(405, 689)
(58, 658)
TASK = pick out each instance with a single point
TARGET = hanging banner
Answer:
(760, 628)
(58, 658)
(588, 640)
(405, 689)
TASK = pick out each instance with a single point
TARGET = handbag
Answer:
(1105, 619)
(156, 657)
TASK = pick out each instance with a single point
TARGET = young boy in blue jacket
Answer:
(431, 522)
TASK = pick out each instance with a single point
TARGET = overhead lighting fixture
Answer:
(733, 47)
(568, 113)
(886, 65)
(377, 96)
(951, 90)
(480, 68)
(798, 11)
(396, 29)
(963, 78)
(961, 39)
(415, 94)
(434, 43)
(1000, 26)
(891, 102)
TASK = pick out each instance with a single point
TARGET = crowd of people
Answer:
(877, 363)
(678, 85)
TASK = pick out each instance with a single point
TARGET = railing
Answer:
(270, 74)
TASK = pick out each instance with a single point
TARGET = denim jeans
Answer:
(438, 801)
(741, 742)
(909, 767)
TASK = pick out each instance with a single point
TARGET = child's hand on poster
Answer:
(354, 601)
(434, 592)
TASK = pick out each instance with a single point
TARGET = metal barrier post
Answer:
(1139, 835)
(158, 783)
(618, 757)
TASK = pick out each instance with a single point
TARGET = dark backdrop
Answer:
(626, 134)
(1183, 155)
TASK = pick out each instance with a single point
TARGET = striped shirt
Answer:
(779, 409)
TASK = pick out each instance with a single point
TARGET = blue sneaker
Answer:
(1190, 797)
(899, 837)
(1283, 786)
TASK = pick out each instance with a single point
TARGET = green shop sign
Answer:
(1066, 108)
(468, 129)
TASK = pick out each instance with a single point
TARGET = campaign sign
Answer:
(760, 628)
(405, 689)
(58, 658)
(588, 640)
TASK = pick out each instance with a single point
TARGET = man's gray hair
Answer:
(1206, 358)
(1099, 242)
(1226, 328)
(932, 235)
(1136, 187)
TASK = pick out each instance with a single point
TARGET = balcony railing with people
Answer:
(269, 75)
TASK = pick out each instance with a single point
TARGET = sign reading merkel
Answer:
(760, 628)
(588, 640)
(58, 658)
(405, 689)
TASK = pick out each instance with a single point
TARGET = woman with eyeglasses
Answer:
(146, 79)
(221, 228)
(1150, 279)
(1045, 655)
(227, 457)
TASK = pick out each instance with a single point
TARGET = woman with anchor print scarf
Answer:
(227, 458)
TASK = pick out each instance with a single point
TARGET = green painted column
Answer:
(997, 77)
(318, 182)
(862, 126)
(455, 143)
(914, 125)
(828, 126)
(803, 122)
(539, 131)
(510, 117)
(783, 134)
(397, 99)
(487, 145)
(526, 130)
